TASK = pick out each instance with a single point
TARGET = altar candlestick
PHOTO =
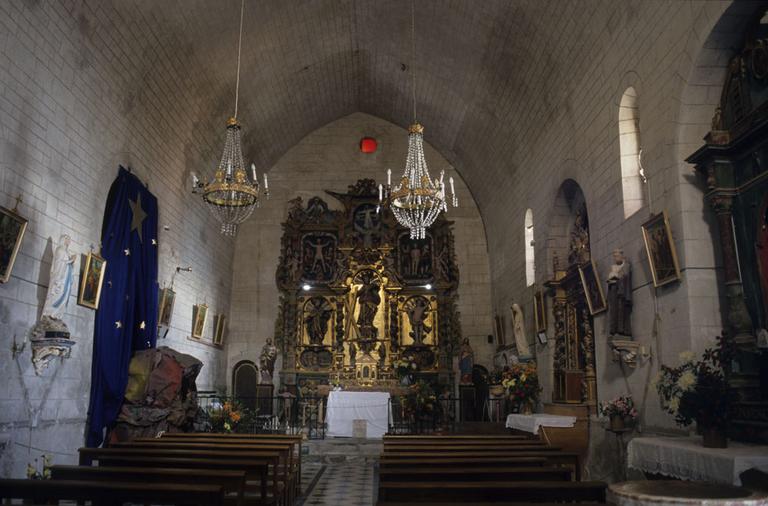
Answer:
(389, 177)
(253, 173)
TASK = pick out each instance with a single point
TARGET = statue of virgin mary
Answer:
(60, 283)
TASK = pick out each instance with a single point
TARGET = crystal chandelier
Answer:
(417, 200)
(231, 195)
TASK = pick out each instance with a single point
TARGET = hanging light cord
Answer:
(413, 54)
(239, 47)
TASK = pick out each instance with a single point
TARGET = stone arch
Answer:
(530, 258)
(568, 200)
(632, 177)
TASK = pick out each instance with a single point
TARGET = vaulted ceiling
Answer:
(491, 74)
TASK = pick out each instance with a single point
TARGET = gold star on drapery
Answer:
(154, 242)
(118, 324)
(142, 325)
(138, 215)
(127, 252)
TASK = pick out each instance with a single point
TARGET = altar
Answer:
(346, 407)
(687, 459)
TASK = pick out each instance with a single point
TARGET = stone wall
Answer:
(75, 101)
(330, 159)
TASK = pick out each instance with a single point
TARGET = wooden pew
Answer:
(454, 437)
(433, 448)
(232, 482)
(110, 492)
(297, 440)
(475, 473)
(522, 503)
(492, 491)
(289, 468)
(553, 456)
(448, 462)
(262, 461)
(466, 442)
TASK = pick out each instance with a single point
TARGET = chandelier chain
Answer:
(239, 48)
(413, 54)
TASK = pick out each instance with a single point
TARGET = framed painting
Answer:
(593, 290)
(91, 281)
(167, 299)
(199, 317)
(539, 311)
(12, 228)
(220, 322)
(660, 248)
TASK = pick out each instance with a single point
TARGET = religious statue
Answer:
(518, 328)
(60, 283)
(381, 349)
(620, 295)
(417, 309)
(466, 362)
(319, 313)
(578, 252)
(317, 256)
(352, 354)
(267, 361)
(369, 299)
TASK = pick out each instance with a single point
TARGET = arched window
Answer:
(629, 147)
(530, 262)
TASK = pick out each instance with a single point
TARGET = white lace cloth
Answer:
(531, 423)
(345, 407)
(687, 459)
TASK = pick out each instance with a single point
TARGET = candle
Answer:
(450, 180)
(253, 172)
(380, 193)
(266, 183)
(389, 177)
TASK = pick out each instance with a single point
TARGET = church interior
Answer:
(393, 253)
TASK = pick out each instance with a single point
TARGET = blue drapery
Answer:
(126, 320)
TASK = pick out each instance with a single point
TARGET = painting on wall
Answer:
(593, 290)
(199, 316)
(91, 281)
(660, 247)
(12, 227)
(539, 311)
(167, 299)
(219, 326)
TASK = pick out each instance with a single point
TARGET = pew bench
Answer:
(493, 491)
(475, 473)
(110, 492)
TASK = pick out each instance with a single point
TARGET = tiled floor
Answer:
(343, 484)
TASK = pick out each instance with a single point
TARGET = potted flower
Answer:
(421, 401)
(697, 390)
(405, 370)
(495, 388)
(226, 417)
(522, 385)
(619, 411)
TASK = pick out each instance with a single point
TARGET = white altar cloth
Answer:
(686, 458)
(531, 423)
(344, 407)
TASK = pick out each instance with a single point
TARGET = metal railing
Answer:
(307, 415)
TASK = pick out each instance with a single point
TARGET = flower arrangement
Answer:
(405, 368)
(226, 417)
(521, 382)
(621, 407)
(420, 401)
(697, 390)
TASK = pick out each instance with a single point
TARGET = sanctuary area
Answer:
(384, 253)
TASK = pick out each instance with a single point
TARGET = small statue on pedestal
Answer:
(267, 361)
(518, 326)
(620, 296)
(59, 287)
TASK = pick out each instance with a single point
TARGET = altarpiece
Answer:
(357, 295)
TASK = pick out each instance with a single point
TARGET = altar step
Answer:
(476, 428)
(342, 450)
